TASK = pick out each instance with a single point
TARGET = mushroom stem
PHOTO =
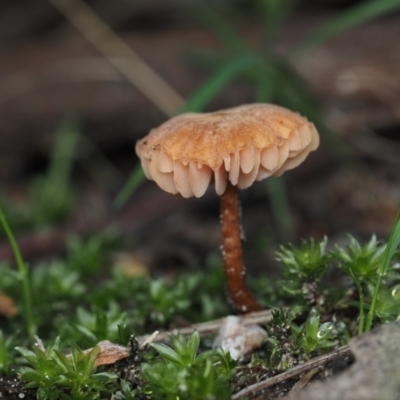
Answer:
(240, 296)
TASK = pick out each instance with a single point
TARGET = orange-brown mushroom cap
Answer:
(241, 144)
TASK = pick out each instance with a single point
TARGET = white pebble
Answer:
(239, 339)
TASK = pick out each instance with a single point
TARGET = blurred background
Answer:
(80, 82)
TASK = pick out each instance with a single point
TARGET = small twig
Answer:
(39, 343)
(303, 381)
(150, 339)
(210, 327)
(111, 352)
(309, 365)
(120, 55)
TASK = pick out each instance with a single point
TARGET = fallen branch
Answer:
(296, 371)
(111, 352)
(120, 55)
(212, 327)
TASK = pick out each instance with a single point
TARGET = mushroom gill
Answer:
(239, 145)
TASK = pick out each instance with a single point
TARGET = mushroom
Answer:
(236, 147)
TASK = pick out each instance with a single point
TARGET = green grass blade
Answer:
(280, 208)
(346, 20)
(222, 28)
(392, 245)
(133, 182)
(63, 151)
(23, 270)
(218, 81)
(266, 81)
(274, 12)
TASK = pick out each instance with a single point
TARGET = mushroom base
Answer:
(240, 296)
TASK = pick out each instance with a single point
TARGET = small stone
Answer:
(239, 339)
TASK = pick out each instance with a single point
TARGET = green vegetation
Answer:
(79, 309)
(50, 195)
(385, 303)
(76, 300)
(22, 276)
(180, 373)
(292, 344)
(7, 353)
(56, 376)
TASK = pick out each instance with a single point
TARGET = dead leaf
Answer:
(7, 306)
(131, 265)
(110, 353)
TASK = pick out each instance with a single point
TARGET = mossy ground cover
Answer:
(82, 299)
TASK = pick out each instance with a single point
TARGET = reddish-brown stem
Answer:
(239, 294)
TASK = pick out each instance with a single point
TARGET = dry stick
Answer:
(240, 296)
(120, 55)
(212, 327)
(303, 381)
(110, 353)
(309, 365)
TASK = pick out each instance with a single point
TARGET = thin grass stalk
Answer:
(391, 246)
(349, 19)
(280, 207)
(23, 270)
(132, 183)
(220, 79)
